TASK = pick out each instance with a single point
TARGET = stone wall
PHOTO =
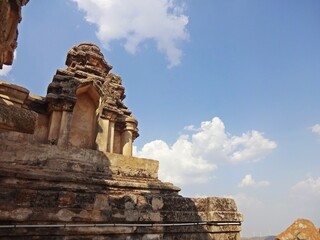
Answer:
(46, 184)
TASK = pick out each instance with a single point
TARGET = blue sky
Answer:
(226, 92)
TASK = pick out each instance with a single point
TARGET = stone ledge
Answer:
(12, 93)
(77, 160)
(132, 166)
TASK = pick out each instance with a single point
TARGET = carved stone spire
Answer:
(87, 69)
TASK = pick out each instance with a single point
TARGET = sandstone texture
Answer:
(48, 185)
(12, 116)
(301, 229)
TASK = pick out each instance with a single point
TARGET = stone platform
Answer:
(62, 188)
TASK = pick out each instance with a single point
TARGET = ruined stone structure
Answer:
(67, 171)
(10, 16)
(85, 105)
(66, 165)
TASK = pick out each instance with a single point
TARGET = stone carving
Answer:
(10, 16)
(87, 66)
(89, 73)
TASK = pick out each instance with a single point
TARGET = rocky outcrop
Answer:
(301, 229)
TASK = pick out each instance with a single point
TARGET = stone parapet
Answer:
(12, 94)
(132, 167)
(13, 116)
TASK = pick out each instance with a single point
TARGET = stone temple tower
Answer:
(85, 104)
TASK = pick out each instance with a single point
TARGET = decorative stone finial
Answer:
(87, 57)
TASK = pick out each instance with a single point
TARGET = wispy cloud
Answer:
(309, 187)
(316, 129)
(248, 181)
(194, 156)
(163, 21)
(5, 70)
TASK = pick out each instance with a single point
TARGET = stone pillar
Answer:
(126, 140)
(54, 126)
(117, 148)
(110, 145)
(103, 134)
(65, 127)
(127, 135)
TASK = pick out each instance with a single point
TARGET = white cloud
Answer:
(177, 162)
(248, 181)
(251, 145)
(5, 70)
(136, 21)
(191, 128)
(193, 158)
(316, 129)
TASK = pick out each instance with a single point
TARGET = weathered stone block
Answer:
(17, 119)
(133, 167)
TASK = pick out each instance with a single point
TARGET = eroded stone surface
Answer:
(12, 116)
(83, 107)
(17, 119)
(10, 16)
(90, 97)
(300, 229)
(45, 183)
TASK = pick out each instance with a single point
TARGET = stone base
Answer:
(62, 188)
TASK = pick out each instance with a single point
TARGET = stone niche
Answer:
(67, 170)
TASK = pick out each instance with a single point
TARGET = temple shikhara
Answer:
(85, 105)
(66, 164)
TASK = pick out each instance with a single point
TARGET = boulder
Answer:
(301, 229)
